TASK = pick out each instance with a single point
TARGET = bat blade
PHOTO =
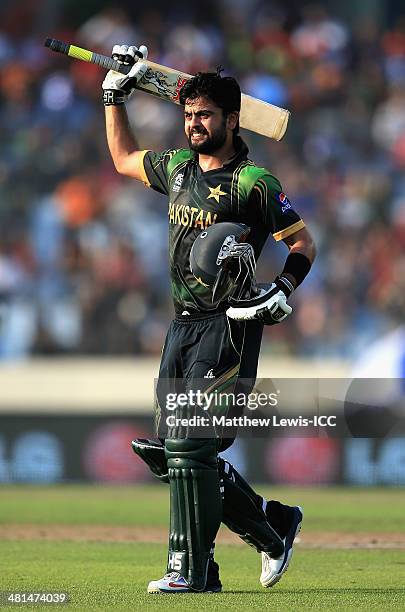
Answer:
(255, 115)
(263, 118)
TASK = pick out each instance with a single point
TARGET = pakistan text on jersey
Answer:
(191, 216)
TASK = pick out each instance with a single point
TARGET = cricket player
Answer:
(212, 187)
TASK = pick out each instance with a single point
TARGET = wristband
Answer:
(113, 97)
(298, 265)
(285, 285)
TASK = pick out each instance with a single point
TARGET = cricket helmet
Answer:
(222, 260)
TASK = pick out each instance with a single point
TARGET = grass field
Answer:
(94, 543)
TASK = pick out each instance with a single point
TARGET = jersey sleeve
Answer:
(275, 209)
(154, 169)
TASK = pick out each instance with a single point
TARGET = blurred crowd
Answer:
(83, 251)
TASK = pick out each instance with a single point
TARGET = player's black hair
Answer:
(223, 91)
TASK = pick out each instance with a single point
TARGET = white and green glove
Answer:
(118, 87)
(269, 306)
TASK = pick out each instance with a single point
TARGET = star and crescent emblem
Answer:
(216, 193)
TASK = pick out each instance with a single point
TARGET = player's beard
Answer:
(211, 143)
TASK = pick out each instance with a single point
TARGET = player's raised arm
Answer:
(117, 88)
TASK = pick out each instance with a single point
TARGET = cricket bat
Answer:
(163, 82)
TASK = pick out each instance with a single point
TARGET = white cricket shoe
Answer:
(174, 583)
(273, 569)
(170, 583)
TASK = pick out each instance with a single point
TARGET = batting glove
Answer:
(118, 87)
(270, 306)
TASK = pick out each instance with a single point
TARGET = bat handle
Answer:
(57, 45)
(109, 63)
(88, 56)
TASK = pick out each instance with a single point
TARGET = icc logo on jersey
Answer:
(178, 182)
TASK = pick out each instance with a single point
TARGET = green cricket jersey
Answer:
(240, 191)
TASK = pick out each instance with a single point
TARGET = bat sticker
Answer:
(164, 87)
(180, 82)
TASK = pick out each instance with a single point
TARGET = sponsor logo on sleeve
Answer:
(284, 201)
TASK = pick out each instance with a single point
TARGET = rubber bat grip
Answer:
(87, 56)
